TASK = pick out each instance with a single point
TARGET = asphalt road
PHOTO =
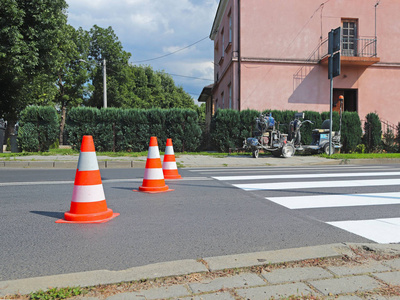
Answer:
(204, 216)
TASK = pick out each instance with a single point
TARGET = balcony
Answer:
(354, 52)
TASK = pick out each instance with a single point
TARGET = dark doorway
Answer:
(350, 99)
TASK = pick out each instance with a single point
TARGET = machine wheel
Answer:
(288, 150)
(255, 153)
(326, 149)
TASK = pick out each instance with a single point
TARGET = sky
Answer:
(149, 29)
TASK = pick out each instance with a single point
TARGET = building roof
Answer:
(218, 17)
(205, 93)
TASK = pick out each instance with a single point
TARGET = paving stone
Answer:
(276, 291)
(127, 296)
(390, 277)
(166, 292)
(345, 284)
(296, 274)
(238, 281)
(370, 267)
(395, 263)
(349, 298)
(214, 296)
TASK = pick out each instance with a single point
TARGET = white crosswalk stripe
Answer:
(383, 230)
(344, 200)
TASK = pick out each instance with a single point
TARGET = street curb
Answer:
(189, 266)
(222, 162)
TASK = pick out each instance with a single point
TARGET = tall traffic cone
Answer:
(170, 169)
(153, 181)
(88, 203)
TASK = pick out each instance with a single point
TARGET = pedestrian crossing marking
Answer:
(377, 230)
(316, 184)
(316, 175)
(382, 231)
(342, 200)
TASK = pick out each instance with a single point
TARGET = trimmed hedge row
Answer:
(229, 128)
(116, 129)
(38, 128)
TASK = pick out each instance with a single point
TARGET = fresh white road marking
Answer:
(292, 176)
(316, 184)
(382, 231)
(321, 201)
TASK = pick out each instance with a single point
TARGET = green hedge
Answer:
(116, 129)
(38, 128)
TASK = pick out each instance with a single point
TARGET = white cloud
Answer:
(149, 29)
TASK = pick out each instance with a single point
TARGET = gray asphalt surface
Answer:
(201, 218)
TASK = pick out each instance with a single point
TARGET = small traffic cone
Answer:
(153, 181)
(170, 169)
(88, 203)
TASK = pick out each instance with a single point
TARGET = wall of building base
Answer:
(286, 86)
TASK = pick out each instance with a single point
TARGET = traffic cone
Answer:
(88, 203)
(153, 181)
(170, 169)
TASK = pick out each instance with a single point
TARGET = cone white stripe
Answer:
(169, 165)
(88, 193)
(153, 173)
(169, 150)
(153, 152)
(88, 161)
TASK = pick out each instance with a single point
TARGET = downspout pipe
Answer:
(239, 58)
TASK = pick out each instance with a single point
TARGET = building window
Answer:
(223, 99)
(230, 96)
(349, 38)
(230, 27)
(222, 42)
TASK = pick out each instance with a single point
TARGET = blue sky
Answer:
(152, 28)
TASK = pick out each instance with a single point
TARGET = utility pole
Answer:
(104, 84)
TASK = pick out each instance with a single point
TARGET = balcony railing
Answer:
(357, 47)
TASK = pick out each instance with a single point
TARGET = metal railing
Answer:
(360, 47)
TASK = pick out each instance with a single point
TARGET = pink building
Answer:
(271, 54)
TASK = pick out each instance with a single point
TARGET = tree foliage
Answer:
(31, 32)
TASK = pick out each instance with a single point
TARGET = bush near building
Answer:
(372, 138)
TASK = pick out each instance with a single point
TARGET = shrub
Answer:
(38, 128)
(351, 131)
(225, 133)
(372, 138)
(116, 129)
(389, 142)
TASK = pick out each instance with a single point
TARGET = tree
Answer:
(30, 36)
(104, 44)
(72, 72)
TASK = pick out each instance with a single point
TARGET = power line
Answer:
(191, 77)
(162, 56)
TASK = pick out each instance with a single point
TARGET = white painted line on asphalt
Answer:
(316, 184)
(382, 231)
(291, 176)
(35, 183)
(283, 169)
(104, 181)
(323, 201)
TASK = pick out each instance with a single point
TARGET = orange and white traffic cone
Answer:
(169, 164)
(88, 203)
(153, 181)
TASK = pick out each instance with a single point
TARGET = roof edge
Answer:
(218, 18)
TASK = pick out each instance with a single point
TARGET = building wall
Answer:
(275, 68)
